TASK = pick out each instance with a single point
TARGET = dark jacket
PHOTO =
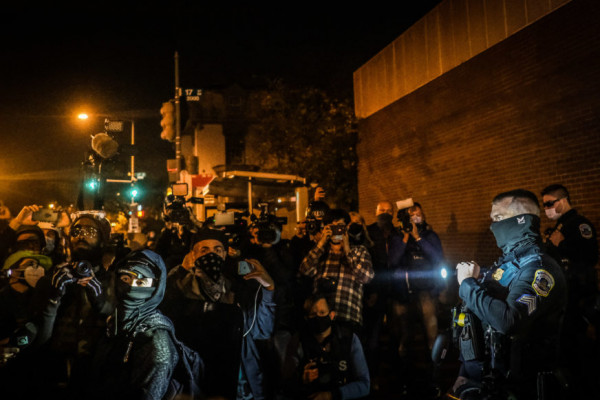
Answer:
(224, 334)
(420, 263)
(577, 253)
(528, 313)
(136, 359)
(342, 370)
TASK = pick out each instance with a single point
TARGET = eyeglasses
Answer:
(84, 230)
(551, 203)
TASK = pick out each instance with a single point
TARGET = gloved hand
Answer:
(93, 289)
(466, 270)
(60, 280)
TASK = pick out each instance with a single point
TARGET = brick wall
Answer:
(523, 114)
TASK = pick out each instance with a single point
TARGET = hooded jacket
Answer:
(137, 357)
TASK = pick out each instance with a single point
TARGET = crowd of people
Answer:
(235, 311)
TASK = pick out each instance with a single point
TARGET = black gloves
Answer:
(60, 280)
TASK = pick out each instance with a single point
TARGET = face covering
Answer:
(33, 275)
(355, 233)
(514, 232)
(384, 221)
(318, 325)
(49, 245)
(552, 214)
(211, 264)
(417, 220)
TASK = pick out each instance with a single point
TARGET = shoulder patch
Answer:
(586, 231)
(543, 282)
(530, 301)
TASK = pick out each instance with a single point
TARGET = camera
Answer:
(236, 227)
(46, 215)
(338, 230)
(313, 225)
(269, 225)
(404, 219)
(81, 269)
(176, 210)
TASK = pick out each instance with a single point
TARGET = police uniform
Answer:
(577, 253)
(528, 308)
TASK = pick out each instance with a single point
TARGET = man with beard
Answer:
(338, 269)
(81, 298)
(520, 306)
(220, 309)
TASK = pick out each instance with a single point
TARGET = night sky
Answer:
(118, 57)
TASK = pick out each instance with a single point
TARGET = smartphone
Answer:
(45, 215)
(244, 267)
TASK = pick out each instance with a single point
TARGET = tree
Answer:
(307, 133)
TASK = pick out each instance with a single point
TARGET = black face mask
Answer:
(355, 233)
(131, 301)
(318, 325)
(517, 231)
(211, 264)
(384, 221)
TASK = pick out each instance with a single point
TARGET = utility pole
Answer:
(177, 116)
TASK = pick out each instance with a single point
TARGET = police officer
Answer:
(523, 306)
(573, 243)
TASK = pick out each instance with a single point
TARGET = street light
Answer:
(113, 125)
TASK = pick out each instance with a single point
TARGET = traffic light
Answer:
(168, 121)
(92, 184)
(134, 192)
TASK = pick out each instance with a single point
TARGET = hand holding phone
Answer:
(45, 215)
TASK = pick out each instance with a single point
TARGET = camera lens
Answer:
(83, 269)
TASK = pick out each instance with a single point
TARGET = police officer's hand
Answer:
(556, 237)
(466, 270)
(260, 274)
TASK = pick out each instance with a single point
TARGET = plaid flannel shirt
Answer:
(349, 271)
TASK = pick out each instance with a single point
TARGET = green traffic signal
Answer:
(92, 184)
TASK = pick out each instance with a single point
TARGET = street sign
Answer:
(192, 94)
(113, 126)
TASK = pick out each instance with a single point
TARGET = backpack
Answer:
(187, 375)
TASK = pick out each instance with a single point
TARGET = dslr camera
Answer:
(313, 225)
(314, 216)
(81, 269)
(404, 219)
(269, 225)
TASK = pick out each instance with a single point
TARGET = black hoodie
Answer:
(137, 357)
